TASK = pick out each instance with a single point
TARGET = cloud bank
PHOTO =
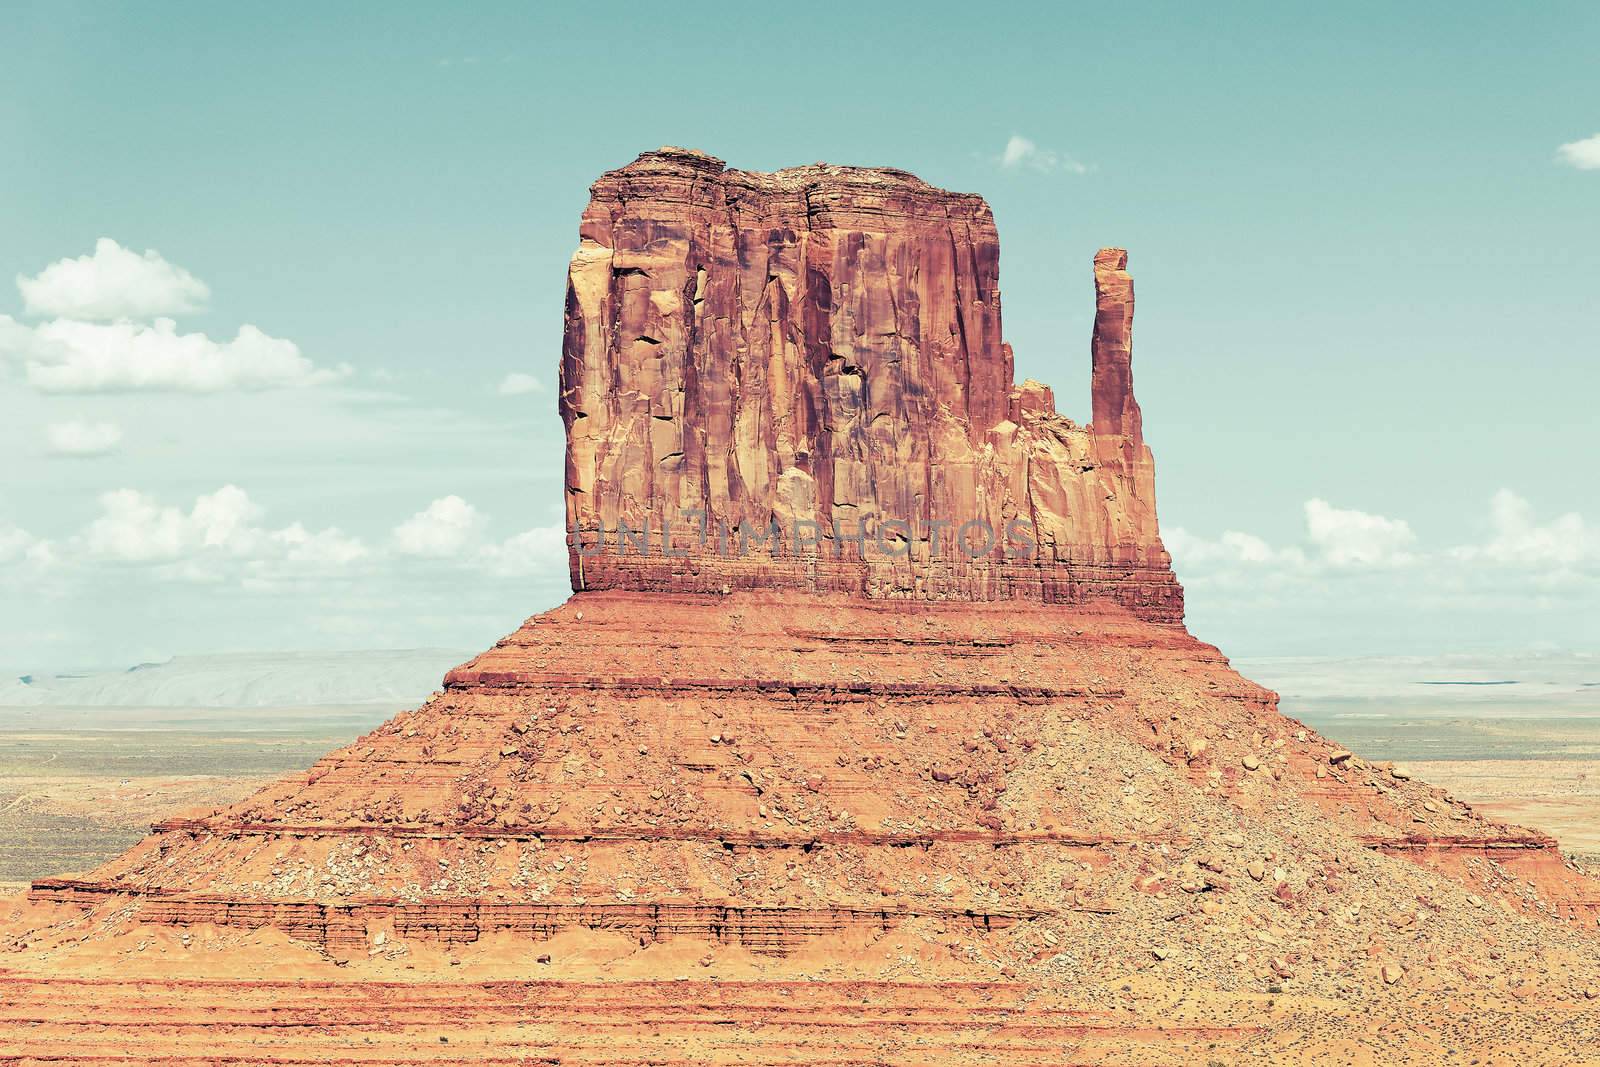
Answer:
(1345, 539)
(1376, 584)
(441, 530)
(1584, 154)
(111, 332)
(66, 356)
(113, 282)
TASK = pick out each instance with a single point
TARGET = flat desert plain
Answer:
(1516, 736)
(80, 785)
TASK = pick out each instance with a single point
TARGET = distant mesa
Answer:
(244, 680)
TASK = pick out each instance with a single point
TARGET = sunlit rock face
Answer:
(798, 380)
(799, 806)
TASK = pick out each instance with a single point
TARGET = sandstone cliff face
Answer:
(818, 352)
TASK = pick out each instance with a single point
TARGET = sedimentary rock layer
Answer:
(334, 1019)
(814, 357)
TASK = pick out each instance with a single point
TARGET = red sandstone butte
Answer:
(823, 345)
(797, 807)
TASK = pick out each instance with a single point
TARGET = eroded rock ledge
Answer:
(818, 351)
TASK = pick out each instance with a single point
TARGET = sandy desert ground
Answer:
(1560, 797)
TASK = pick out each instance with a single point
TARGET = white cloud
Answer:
(1584, 154)
(1519, 540)
(328, 546)
(1343, 539)
(1231, 547)
(519, 384)
(111, 331)
(66, 356)
(1346, 537)
(222, 537)
(135, 528)
(1369, 582)
(1020, 152)
(16, 340)
(450, 529)
(83, 439)
(14, 542)
(113, 283)
(19, 546)
(445, 528)
(539, 551)
(1337, 537)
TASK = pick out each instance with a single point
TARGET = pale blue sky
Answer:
(1367, 275)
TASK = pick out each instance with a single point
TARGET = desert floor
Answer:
(78, 786)
(1538, 771)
